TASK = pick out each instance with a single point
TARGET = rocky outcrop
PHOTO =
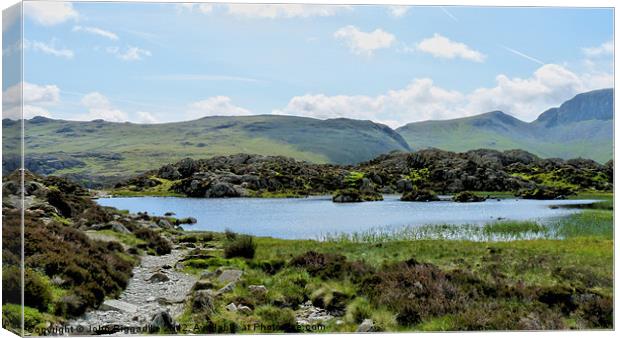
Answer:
(466, 197)
(545, 193)
(351, 195)
(398, 172)
(419, 195)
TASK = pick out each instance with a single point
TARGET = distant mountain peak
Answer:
(593, 105)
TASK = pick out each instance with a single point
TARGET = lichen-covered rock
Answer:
(466, 196)
(419, 195)
(351, 195)
(545, 193)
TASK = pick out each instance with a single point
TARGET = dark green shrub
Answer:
(597, 311)
(37, 292)
(331, 265)
(274, 319)
(230, 235)
(70, 306)
(160, 245)
(270, 266)
(415, 291)
(241, 246)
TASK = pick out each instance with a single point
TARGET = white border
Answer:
(490, 3)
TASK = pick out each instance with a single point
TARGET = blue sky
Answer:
(157, 62)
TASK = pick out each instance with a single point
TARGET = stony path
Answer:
(142, 298)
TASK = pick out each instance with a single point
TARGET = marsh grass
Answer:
(590, 222)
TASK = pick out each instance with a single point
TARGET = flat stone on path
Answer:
(230, 276)
(117, 305)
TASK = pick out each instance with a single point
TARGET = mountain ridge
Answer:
(580, 127)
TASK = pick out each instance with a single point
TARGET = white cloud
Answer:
(363, 43)
(96, 31)
(35, 98)
(442, 47)
(131, 53)
(273, 11)
(398, 11)
(49, 13)
(204, 8)
(48, 48)
(606, 48)
(99, 107)
(215, 106)
(524, 98)
(420, 100)
(146, 117)
(33, 94)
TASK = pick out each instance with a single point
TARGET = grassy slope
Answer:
(588, 139)
(144, 147)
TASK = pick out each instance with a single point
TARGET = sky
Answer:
(163, 62)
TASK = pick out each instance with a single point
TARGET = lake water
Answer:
(314, 217)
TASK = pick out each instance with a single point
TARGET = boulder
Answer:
(231, 307)
(163, 223)
(158, 277)
(230, 276)
(117, 305)
(226, 289)
(404, 185)
(257, 289)
(351, 195)
(542, 192)
(118, 227)
(221, 189)
(466, 197)
(162, 322)
(244, 309)
(169, 172)
(419, 195)
(366, 326)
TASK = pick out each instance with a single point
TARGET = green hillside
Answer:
(112, 150)
(581, 127)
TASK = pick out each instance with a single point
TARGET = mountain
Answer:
(580, 127)
(106, 150)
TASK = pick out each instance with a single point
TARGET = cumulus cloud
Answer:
(524, 98)
(48, 48)
(398, 11)
(35, 100)
(364, 43)
(215, 106)
(99, 107)
(96, 31)
(273, 11)
(146, 117)
(606, 48)
(420, 100)
(442, 47)
(49, 13)
(130, 53)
